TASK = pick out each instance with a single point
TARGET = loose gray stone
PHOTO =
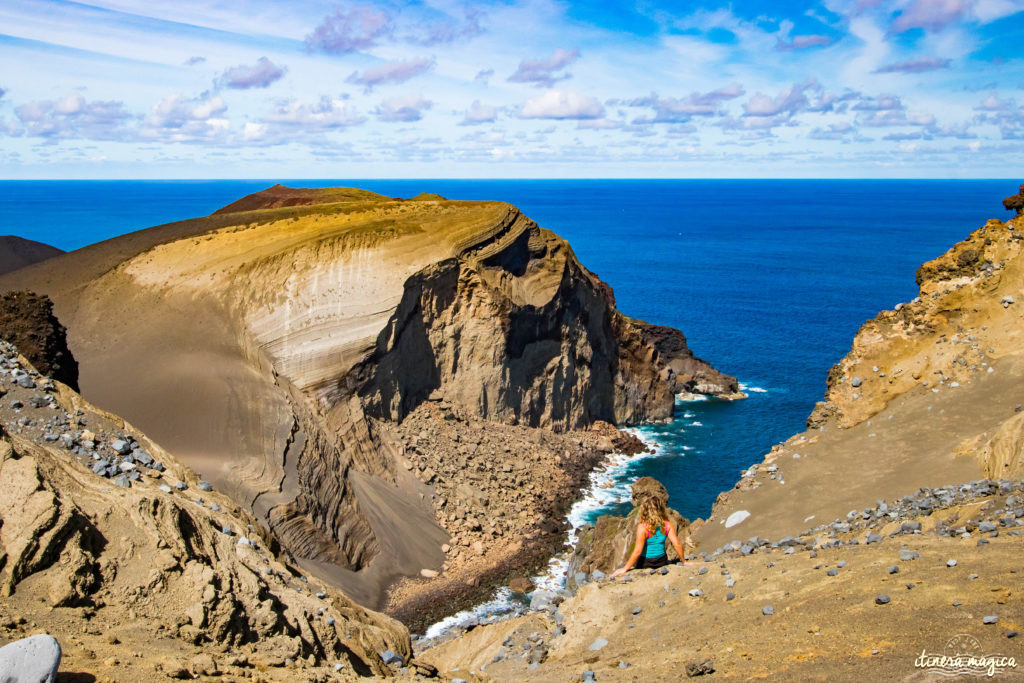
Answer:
(121, 447)
(951, 563)
(767, 610)
(990, 620)
(637, 610)
(696, 593)
(122, 481)
(30, 660)
(857, 381)
(598, 644)
(588, 676)
(730, 596)
(205, 486)
(391, 657)
(882, 599)
(906, 554)
(832, 572)
(702, 570)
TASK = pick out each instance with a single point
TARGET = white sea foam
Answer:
(609, 484)
(752, 390)
(695, 423)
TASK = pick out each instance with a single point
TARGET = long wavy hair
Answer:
(653, 513)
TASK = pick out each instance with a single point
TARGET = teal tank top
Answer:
(655, 544)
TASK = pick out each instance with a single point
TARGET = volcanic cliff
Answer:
(881, 540)
(277, 345)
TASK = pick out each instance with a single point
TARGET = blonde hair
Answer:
(653, 513)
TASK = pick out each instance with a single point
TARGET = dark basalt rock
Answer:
(1015, 202)
(27, 321)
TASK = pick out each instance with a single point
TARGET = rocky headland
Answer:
(861, 548)
(404, 395)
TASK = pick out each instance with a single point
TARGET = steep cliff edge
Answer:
(242, 342)
(881, 540)
(928, 395)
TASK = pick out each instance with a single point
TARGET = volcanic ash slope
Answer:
(148, 575)
(272, 344)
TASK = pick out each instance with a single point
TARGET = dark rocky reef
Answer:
(27, 321)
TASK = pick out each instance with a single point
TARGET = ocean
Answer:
(768, 279)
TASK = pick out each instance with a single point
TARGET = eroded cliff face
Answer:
(154, 565)
(527, 335)
(928, 396)
(255, 343)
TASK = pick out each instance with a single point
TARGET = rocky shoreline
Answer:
(502, 492)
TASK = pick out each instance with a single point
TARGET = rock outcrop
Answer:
(27, 321)
(159, 564)
(606, 545)
(518, 331)
(1015, 202)
(273, 345)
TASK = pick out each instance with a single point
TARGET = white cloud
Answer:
(559, 104)
(391, 72)
(328, 113)
(544, 72)
(259, 75)
(350, 30)
(406, 109)
(479, 113)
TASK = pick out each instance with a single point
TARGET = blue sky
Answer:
(533, 88)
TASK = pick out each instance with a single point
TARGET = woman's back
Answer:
(656, 542)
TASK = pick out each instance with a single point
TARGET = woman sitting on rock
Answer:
(653, 523)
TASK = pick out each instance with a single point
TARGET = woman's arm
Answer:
(675, 540)
(638, 547)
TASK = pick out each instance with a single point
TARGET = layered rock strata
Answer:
(273, 345)
(154, 574)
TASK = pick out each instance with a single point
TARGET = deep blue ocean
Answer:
(768, 279)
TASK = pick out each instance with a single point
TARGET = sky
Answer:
(512, 89)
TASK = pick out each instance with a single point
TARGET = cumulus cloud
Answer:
(680, 110)
(880, 103)
(894, 117)
(932, 15)
(74, 117)
(543, 73)
(177, 118)
(391, 72)
(351, 29)
(259, 75)
(403, 109)
(195, 59)
(560, 104)
(835, 131)
(802, 42)
(328, 113)
(479, 113)
(993, 103)
(794, 100)
(449, 29)
(483, 76)
(915, 66)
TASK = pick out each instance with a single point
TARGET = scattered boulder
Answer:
(30, 660)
